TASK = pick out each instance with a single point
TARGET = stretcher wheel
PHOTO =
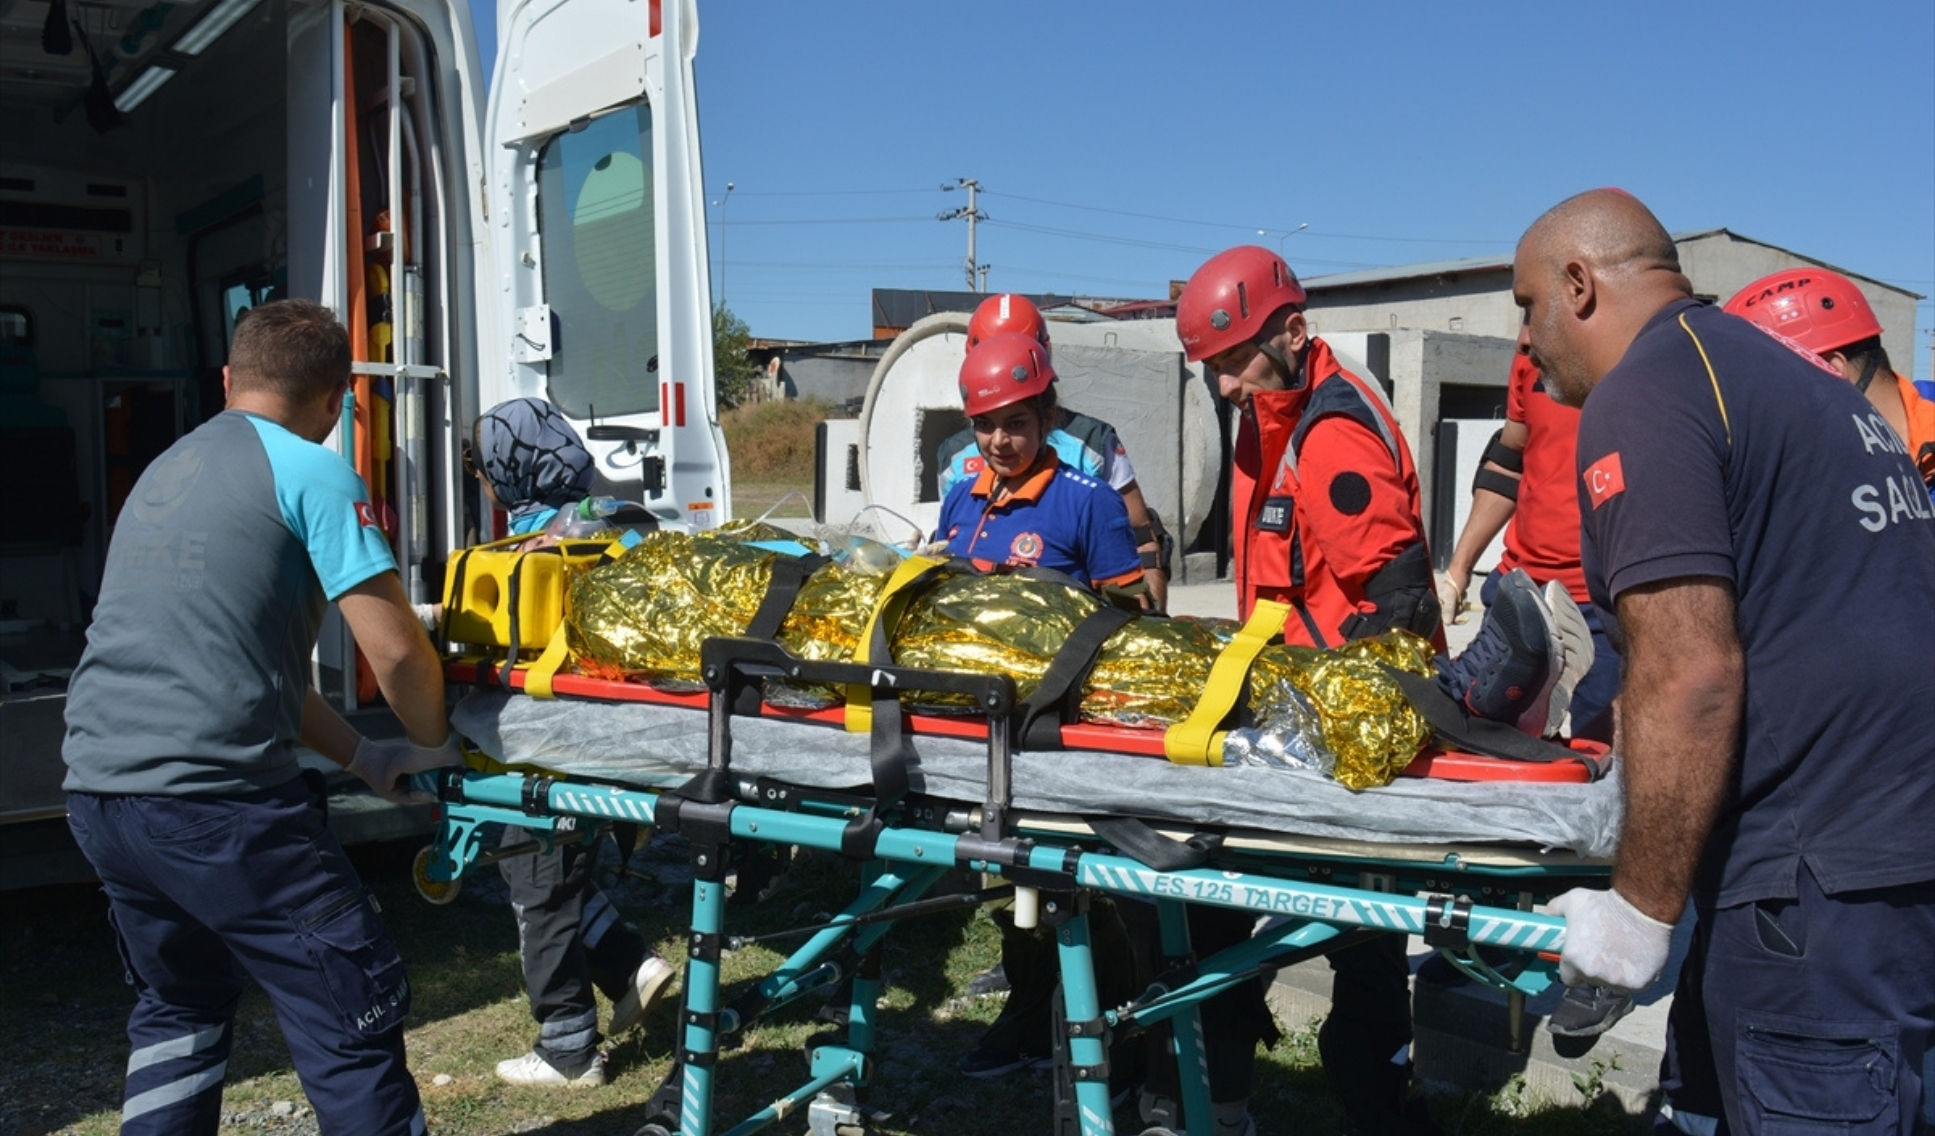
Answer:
(438, 892)
(653, 1130)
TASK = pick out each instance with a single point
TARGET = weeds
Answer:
(772, 442)
(1592, 1083)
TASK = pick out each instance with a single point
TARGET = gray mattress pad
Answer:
(654, 746)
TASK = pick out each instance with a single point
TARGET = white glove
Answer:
(1608, 941)
(382, 764)
(1451, 600)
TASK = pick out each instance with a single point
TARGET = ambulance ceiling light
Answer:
(144, 85)
(210, 27)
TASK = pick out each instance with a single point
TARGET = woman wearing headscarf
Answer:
(532, 463)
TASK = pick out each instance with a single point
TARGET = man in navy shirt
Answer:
(1770, 561)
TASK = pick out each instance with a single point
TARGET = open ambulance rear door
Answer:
(597, 273)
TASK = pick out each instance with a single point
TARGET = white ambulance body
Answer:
(183, 162)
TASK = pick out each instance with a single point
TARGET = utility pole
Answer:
(973, 214)
(721, 203)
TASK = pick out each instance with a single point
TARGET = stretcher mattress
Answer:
(653, 746)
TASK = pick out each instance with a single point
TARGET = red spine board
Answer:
(1433, 763)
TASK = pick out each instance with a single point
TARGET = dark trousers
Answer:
(1592, 699)
(1687, 1078)
(571, 940)
(1033, 966)
(1369, 1022)
(202, 890)
(1819, 1009)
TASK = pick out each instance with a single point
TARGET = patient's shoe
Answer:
(648, 982)
(532, 1069)
(1575, 643)
(1511, 670)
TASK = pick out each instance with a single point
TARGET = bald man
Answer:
(1777, 767)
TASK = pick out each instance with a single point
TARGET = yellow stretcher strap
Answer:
(1196, 740)
(887, 611)
(537, 679)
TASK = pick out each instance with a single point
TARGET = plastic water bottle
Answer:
(588, 517)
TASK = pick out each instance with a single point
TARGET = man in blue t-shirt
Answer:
(182, 721)
(1770, 559)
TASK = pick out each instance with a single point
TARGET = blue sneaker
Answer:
(1511, 670)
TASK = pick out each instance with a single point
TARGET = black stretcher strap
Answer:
(790, 573)
(1143, 844)
(1057, 700)
(891, 754)
(1457, 727)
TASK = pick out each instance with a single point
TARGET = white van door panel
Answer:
(598, 268)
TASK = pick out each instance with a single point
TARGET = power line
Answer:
(1228, 225)
(837, 221)
(829, 192)
(1133, 242)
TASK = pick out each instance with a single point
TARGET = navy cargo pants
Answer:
(204, 889)
(1818, 1010)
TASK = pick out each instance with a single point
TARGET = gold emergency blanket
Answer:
(645, 615)
(1368, 725)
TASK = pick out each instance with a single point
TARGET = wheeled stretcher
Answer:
(1456, 863)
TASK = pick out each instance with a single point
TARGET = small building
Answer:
(1474, 295)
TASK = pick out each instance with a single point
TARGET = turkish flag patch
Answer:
(366, 513)
(1605, 479)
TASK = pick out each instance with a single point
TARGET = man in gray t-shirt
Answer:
(182, 722)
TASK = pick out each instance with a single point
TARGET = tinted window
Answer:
(599, 256)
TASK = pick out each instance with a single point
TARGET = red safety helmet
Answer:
(1820, 310)
(1226, 302)
(1006, 312)
(1004, 369)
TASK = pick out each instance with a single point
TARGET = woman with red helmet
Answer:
(1026, 508)
(1082, 441)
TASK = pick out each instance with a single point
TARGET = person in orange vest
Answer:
(1824, 312)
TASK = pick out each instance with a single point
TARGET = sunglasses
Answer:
(470, 460)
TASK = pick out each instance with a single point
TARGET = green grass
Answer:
(63, 1008)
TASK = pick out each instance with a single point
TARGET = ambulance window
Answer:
(16, 327)
(599, 258)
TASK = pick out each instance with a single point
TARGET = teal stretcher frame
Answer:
(909, 843)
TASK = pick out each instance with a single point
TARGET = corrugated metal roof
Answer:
(902, 307)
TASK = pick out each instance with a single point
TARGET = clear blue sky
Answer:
(1120, 144)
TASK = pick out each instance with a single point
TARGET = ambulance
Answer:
(164, 167)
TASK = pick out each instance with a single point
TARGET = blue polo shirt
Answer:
(1714, 449)
(1057, 519)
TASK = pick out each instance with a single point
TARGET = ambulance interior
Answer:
(169, 169)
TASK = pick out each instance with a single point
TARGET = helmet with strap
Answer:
(1002, 370)
(1228, 300)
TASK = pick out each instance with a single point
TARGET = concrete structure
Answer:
(1474, 296)
(1130, 374)
(834, 373)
